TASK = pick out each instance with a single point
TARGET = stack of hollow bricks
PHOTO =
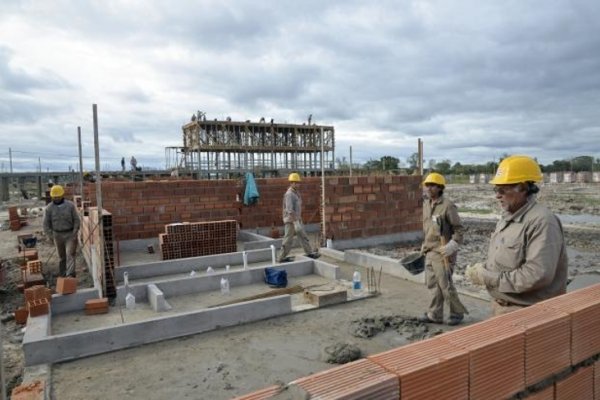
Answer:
(90, 235)
(38, 299)
(355, 206)
(198, 239)
(547, 351)
(15, 221)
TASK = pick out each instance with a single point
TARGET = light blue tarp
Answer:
(251, 195)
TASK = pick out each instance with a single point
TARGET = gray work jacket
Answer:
(61, 217)
(292, 206)
(527, 257)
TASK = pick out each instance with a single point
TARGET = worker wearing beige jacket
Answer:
(527, 257)
(443, 234)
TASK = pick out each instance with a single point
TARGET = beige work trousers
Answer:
(439, 283)
(66, 247)
(288, 240)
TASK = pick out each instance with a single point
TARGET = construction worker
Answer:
(61, 224)
(443, 233)
(292, 218)
(527, 257)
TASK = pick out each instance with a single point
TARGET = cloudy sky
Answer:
(475, 79)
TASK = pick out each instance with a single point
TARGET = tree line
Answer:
(446, 167)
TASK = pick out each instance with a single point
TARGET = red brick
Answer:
(29, 391)
(578, 385)
(66, 285)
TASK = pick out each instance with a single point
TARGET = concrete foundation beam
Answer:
(388, 265)
(41, 349)
(156, 298)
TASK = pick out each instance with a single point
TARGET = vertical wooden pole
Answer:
(80, 165)
(99, 202)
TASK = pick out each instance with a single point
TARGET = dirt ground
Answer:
(233, 361)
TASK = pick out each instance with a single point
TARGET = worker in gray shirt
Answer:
(61, 224)
(292, 218)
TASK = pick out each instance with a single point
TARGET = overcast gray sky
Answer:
(474, 79)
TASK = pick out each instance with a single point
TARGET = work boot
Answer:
(455, 320)
(425, 318)
(285, 259)
(314, 256)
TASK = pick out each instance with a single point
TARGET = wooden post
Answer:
(99, 203)
(80, 165)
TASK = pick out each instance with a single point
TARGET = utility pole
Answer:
(10, 159)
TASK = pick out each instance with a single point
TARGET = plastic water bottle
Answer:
(209, 270)
(227, 267)
(130, 301)
(193, 273)
(224, 286)
(356, 283)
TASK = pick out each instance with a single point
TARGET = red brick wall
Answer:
(355, 207)
(368, 206)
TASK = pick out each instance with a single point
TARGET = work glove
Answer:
(297, 225)
(450, 248)
(478, 275)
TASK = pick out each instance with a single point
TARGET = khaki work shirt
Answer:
(440, 217)
(527, 257)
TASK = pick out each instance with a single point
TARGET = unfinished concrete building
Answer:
(226, 149)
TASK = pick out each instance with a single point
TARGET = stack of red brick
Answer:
(37, 302)
(96, 306)
(198, 239)
(31, 272)
(16, 222)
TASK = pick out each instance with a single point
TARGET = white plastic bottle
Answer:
(209, 270)
(129, 297)
(224, 286)
(356, 283)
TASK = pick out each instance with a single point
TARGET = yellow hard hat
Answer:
(57, 191)
(294, 177)
(517, 169)
(436, 178)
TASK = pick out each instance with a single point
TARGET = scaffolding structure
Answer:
(227, 149)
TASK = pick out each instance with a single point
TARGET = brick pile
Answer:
(15, 221)
(198, 239)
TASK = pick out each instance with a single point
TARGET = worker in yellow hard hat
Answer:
(292, 219)
(442, 236)
(527, 258)
(61, 224)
